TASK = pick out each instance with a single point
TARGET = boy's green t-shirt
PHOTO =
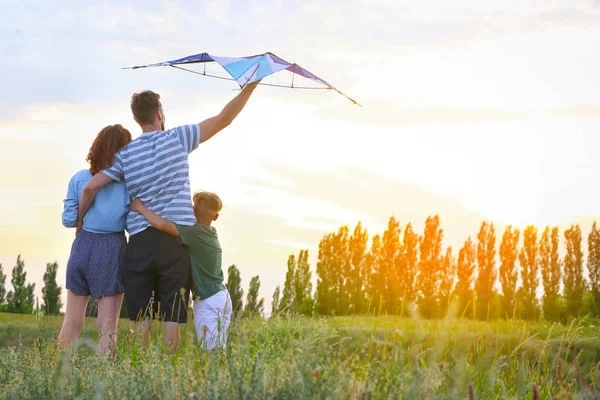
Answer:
(205, 259)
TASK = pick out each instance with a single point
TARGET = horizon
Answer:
(473, 111)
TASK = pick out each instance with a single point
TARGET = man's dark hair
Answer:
(144, 106)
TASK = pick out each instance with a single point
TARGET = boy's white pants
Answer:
(212, 317)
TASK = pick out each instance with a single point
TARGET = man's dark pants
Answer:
(157, 277)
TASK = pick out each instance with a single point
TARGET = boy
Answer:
(212, 303)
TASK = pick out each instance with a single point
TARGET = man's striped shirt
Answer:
(156, 171)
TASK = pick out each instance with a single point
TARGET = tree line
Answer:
(21, 300)
(517, 275)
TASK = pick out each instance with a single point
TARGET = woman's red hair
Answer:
(106, 145)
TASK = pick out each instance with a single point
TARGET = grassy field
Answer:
(335, 358)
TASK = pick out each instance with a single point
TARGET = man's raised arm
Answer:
(89, 193)
(211, 126)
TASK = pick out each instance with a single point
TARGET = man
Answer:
(155, 169)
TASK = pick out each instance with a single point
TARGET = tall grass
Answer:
(337, 358)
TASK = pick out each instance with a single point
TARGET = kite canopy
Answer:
(245, 70)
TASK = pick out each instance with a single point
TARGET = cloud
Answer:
(290, 243)
(572, 17)
(43, 63)
(388, 112)
(373, 199)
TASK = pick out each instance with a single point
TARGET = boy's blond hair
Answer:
(207, 204)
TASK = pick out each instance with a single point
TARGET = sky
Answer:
(474, 110)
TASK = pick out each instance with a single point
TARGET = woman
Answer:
(94, 266)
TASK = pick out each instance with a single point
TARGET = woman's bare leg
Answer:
(74, 319)
(109, 309)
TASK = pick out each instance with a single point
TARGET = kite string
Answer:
(203, 74)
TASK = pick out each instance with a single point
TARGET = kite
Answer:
(245, 70)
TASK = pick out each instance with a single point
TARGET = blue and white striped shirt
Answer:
(156, 171)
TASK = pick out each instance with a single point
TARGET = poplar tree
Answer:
(20, 299)
(551, 273)
(254, 306)
(234, 287)
(51, 291)
(528, 259)
(465, 271)
(409, 267)
(508, 269)
(358, 277)
(288, 302)
(486, 263)
(573, 278)
(593, 263)
(391, 253)
(430, 250)
(275, 302)
(447, 281)
(302, 285)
